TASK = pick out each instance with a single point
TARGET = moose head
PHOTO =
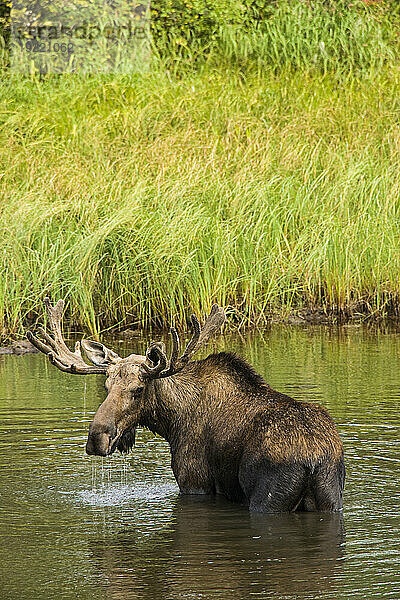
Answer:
(130, 381)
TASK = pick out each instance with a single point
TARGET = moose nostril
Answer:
(90, 447)
(98, 444)
(99, 438)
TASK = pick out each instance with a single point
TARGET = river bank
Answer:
(304, 319)
(270, 188)
(143, 200)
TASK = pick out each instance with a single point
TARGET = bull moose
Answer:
(229, 432)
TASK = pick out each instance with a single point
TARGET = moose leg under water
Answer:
(229, 432)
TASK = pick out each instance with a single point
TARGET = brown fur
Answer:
(230, 433)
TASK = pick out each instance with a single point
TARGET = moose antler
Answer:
(56, 349)
(200, 336)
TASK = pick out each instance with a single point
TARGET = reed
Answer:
(138, 198)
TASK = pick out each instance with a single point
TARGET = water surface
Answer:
(74, 526)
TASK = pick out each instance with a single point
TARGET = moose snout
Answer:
(100, 439)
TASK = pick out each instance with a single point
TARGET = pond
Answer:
(74, 526)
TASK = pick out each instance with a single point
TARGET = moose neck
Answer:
(170, 405)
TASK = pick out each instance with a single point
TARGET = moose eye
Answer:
(138, 391)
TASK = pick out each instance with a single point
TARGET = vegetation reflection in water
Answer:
(73, 526)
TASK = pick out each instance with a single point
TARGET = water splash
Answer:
(112, 483)
(116, 495)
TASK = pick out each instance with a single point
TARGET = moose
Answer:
(229, 432)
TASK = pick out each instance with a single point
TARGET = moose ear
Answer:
(154, 352)
(99, 354)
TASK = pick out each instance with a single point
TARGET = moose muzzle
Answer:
(100, 439)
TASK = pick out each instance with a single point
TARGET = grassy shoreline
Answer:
(143, 198)
(140, 199)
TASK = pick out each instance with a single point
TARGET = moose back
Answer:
(229, 432)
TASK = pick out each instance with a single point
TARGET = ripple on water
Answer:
(74, 526)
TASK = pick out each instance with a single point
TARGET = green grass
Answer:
(144, 197)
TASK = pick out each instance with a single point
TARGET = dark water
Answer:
(79, 527)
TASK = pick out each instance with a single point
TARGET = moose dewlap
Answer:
(229, 432)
